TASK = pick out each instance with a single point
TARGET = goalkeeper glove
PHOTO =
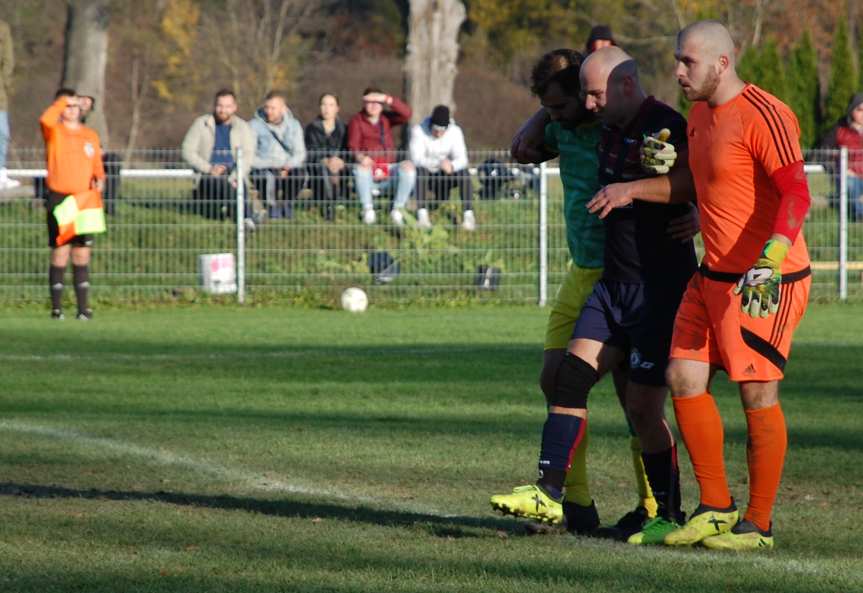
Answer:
(657, 155)
(760, 286)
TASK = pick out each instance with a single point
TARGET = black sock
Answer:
(560, 436)
(81, 276)
(55, 285)
(664, 478)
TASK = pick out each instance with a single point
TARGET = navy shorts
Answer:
(625, 316)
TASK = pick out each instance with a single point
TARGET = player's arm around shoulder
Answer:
(664, 158)
(530, 144)
(674, 187)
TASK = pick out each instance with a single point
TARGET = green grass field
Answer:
(272, 449)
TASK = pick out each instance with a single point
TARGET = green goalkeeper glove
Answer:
(657, 155)
(761, 285)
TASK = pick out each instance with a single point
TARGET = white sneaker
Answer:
(423, 220)
(369, 216)
(397, 217)
(468, 222)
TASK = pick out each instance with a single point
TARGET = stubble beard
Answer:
(706, 90)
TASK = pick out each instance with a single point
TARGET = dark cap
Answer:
(855, 101)
(84, 91)
(440, 116)
(599, 32)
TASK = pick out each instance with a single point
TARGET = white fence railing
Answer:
(300, 236)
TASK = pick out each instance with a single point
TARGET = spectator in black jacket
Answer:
(326, 141)
(112, 161)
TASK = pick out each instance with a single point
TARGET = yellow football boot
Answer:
(704, 522)
(743, 537)
(531, 502)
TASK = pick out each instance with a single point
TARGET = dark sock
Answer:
(664, 478)
(81, 276)
(55, 285)
(560, 437)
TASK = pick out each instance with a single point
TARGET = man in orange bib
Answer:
(740, 311)
(74, 163)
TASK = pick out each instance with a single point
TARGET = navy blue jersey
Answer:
(637, 244)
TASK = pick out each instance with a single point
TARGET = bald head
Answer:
(709, 38)
(609, 82)
(609, 62)
(705, 63)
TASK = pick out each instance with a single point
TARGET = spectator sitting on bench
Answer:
(327, 142)
(280, 154)
(210, 147)
(370, 139)
(438, 150)
(848, 132)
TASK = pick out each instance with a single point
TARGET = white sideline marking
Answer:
(167, 458)
(271, 484)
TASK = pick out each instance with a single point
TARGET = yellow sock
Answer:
(575, 484)
(644, 491)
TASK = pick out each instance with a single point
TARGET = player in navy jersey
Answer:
(630, 313)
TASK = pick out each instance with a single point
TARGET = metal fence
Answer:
(296, 239)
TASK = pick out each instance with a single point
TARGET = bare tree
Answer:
(432, 53)
(86, 55)
(132, 72)
(252, 42)
(759, 19)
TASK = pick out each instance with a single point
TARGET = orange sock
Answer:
(768, 441)
(701, 428)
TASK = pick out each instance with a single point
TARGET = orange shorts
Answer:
(710, 327)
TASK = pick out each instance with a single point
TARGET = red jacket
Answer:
(848, 136)
(365, 137)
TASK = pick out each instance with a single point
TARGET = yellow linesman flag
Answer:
(79, 214)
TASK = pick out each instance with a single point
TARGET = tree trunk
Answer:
(86, 55)
(432, 54)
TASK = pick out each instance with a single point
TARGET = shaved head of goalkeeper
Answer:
(706, 62)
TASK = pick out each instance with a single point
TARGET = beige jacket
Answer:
(199, 141)
(7, 64)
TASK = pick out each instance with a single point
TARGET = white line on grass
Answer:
(250, 480)
(258, 482)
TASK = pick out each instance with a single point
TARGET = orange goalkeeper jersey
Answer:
(733, 151)
(73, 157)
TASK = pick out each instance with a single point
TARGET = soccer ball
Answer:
(354, 300)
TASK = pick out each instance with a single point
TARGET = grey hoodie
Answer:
(290, 148)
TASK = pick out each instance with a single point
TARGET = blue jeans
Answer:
(855, 198)
(4, 138)
(403, 181)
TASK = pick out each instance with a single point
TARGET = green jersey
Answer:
(579, 165)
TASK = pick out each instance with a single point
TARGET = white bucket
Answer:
(217, 273)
